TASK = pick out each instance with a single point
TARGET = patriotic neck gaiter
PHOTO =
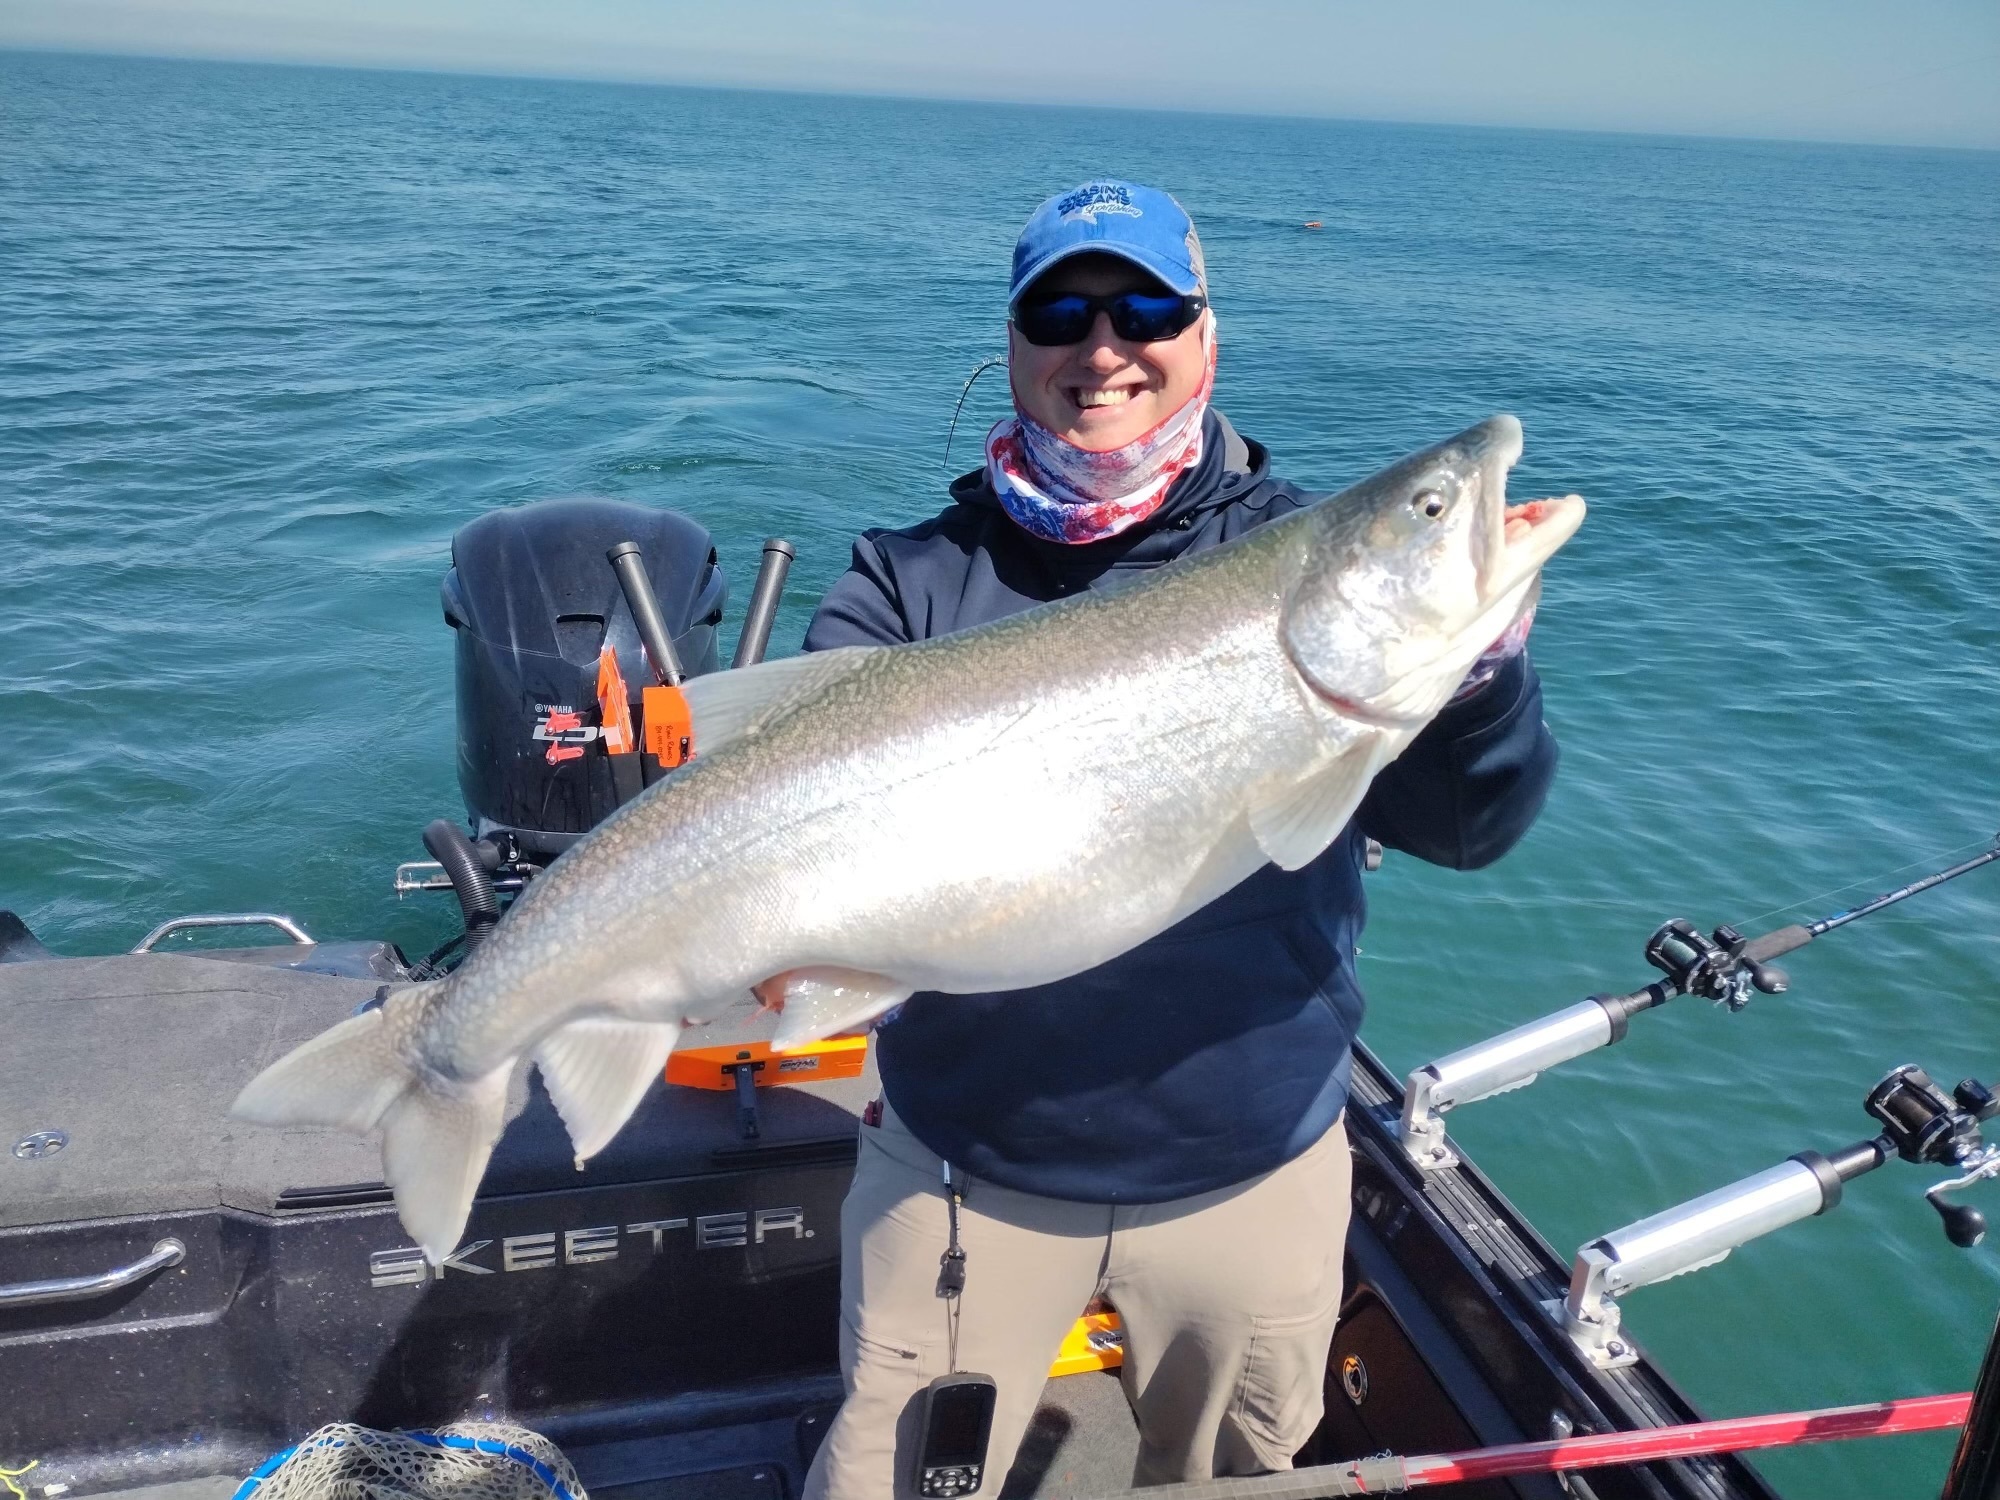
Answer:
(1062, 493)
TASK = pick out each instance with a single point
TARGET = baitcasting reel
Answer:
(1723, 968)
(1924, 1124)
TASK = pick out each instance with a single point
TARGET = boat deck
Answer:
(1081, 1445)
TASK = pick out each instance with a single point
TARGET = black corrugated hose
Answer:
(470, 881)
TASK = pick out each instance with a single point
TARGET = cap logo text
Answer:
(1095, 198)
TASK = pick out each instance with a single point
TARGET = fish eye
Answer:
(1427, 503)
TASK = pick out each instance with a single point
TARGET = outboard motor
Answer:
(534, 602)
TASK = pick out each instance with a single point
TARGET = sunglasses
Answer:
(1136, 317)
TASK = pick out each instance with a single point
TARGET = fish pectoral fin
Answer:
(1234, 858)
(1294, 824)
(825, 999)
(723, 706)
(597, 1069)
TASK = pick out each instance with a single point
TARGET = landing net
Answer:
(465, 1461)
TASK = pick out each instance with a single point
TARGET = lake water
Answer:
(268, 336)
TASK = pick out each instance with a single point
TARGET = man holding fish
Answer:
(1164, 1129)
(1094, 824)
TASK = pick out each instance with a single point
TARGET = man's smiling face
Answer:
(1104, 392)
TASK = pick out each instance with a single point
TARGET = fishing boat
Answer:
(183, 1296)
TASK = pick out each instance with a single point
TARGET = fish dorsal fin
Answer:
(596, 1071)
(1293, 824)
(727, 705)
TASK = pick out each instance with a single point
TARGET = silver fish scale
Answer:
(993, 809)
(988, 810)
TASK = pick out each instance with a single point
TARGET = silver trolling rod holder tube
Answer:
(764, 597)
(1511, 1060)
(1923, 1124)
(1692, 1235)
(630, 567)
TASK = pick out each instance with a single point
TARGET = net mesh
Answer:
(465, 1461)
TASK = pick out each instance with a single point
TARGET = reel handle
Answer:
(1768, 978)
(1964, 1225)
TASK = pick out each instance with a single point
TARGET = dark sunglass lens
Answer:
(1147, 319)
(1059, 320)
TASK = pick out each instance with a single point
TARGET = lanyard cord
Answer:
(951, 1265)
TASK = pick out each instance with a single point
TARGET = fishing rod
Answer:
(1393, 1475)
(1723, 966)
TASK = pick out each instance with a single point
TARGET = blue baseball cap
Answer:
(1109, 217)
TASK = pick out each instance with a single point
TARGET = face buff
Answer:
(1062, 493)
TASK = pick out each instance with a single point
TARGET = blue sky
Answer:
(1892, 71)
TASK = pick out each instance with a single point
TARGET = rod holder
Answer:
(1684, 1238)
(1724, 966)
(1511, 1060)
(772, 570)
(630, 567)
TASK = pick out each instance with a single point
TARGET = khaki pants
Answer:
(1228, 1301)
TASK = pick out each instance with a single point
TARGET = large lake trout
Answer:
(984, 811)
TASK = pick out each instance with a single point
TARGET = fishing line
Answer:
(1868, 881)
(980, 369)
(1626, 904)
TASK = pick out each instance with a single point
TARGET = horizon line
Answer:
(739, 87)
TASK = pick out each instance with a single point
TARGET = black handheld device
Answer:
(951, 1444)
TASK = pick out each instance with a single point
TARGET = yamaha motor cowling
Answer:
(534, 602)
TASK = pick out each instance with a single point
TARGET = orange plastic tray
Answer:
(816, 1062)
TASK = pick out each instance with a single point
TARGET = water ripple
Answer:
(273, 335)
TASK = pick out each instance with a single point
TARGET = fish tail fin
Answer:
(436, 1138)
(437, 1132)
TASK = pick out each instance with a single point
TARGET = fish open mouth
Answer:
(1508, 545)
(1530, 533)
(1513, 541)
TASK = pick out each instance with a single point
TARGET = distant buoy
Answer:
(1313, 224)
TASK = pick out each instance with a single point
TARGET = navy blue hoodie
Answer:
(1219, 1049)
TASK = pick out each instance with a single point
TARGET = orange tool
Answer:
(816, 1062)
(669, 726)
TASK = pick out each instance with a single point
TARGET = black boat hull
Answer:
(670, 1311)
